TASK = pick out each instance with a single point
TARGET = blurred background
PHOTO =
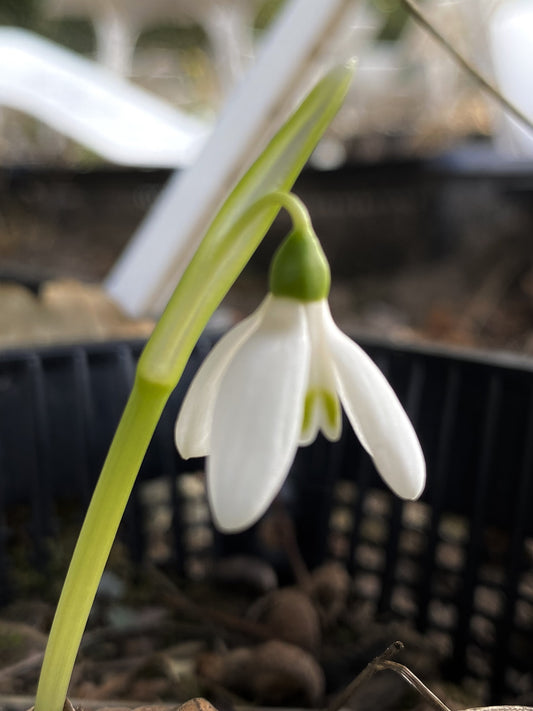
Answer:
(420, 191)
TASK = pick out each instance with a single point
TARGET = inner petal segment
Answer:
(321, 412)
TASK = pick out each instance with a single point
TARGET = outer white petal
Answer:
(377, 417)
(193, 426)
(258, 416)
(322, 383)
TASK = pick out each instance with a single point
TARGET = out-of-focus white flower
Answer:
(270, 385)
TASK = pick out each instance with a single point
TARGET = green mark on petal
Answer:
(329, 405)
(299, 269)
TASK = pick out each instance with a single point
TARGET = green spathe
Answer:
(299, 269)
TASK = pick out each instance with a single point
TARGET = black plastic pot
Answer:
(457, 564)
(372, 217)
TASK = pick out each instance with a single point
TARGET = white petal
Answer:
(377, 417)
(193, 426)
(258, 416)
(322, 409)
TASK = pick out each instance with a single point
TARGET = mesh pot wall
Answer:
(456, 565)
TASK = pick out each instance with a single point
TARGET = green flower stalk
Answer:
(228, 244)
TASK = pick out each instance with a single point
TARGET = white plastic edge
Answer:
(93, 106)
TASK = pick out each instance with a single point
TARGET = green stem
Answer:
(124, 459)
(232, 238)
(125, 456)
(301, 221)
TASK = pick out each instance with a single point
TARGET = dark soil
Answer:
(236, 639)
(460, 277)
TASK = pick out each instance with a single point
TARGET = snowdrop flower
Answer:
(277, 379)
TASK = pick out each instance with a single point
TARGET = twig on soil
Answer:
(289, 541)
(415, 682)
(341, 699)
(175, 598)
(97, 635)
(21, 667)
(380, 663)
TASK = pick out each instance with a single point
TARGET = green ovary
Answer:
(299, 268)
(327, 401)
